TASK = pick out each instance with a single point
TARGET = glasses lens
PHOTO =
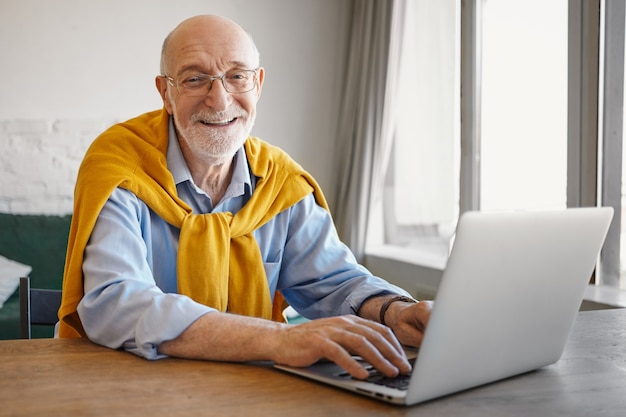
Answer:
(194, 85)
(240, 81)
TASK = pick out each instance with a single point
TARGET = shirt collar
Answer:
(240, 182)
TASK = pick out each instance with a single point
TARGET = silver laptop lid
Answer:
(508, 297)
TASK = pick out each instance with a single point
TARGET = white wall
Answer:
(70, 68)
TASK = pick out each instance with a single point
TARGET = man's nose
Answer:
(217, 97)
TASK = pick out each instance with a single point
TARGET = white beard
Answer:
(212, 145)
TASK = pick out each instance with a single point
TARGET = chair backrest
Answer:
(37, 306)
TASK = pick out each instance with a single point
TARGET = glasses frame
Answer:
(181, 90)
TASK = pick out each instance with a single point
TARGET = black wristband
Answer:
(385, 307)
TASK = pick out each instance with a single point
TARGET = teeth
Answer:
(218, 123)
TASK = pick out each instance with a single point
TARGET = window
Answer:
(421, 185)
(518, 85)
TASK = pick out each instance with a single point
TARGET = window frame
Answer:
(610, 137)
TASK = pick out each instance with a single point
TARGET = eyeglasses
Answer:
(235, 81)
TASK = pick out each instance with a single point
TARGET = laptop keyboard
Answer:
(400, 382)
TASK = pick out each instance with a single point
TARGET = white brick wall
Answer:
(39, 162)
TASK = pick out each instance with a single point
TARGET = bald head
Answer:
(218, 33)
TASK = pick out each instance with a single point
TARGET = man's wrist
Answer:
(371, 307)
(389, 302)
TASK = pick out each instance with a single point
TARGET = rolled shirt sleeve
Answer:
(123, 305)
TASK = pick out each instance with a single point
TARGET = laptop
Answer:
(507, 300)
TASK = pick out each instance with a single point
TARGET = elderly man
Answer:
(188, 234)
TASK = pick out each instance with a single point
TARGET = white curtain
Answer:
(425, 155)
(365, 127)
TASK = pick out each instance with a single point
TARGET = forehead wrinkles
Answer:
(223, 54)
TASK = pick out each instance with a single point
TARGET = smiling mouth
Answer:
(218, 123)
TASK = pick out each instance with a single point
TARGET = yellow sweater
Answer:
(230, 275)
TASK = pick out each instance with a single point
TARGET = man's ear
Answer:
(260, 77)
(163, 86)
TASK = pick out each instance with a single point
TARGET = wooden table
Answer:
(50, 377)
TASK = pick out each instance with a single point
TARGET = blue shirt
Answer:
(129, 267)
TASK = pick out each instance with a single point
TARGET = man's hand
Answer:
(408, 321)
(337, 339)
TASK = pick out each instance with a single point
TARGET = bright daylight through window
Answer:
(523, 121)
(524, 105)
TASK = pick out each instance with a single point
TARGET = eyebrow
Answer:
(201, 69)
